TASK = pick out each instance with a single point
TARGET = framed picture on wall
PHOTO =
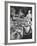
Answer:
(20, 22)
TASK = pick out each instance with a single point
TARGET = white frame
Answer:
(33, 22)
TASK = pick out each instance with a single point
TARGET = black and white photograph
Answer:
(21, 22)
